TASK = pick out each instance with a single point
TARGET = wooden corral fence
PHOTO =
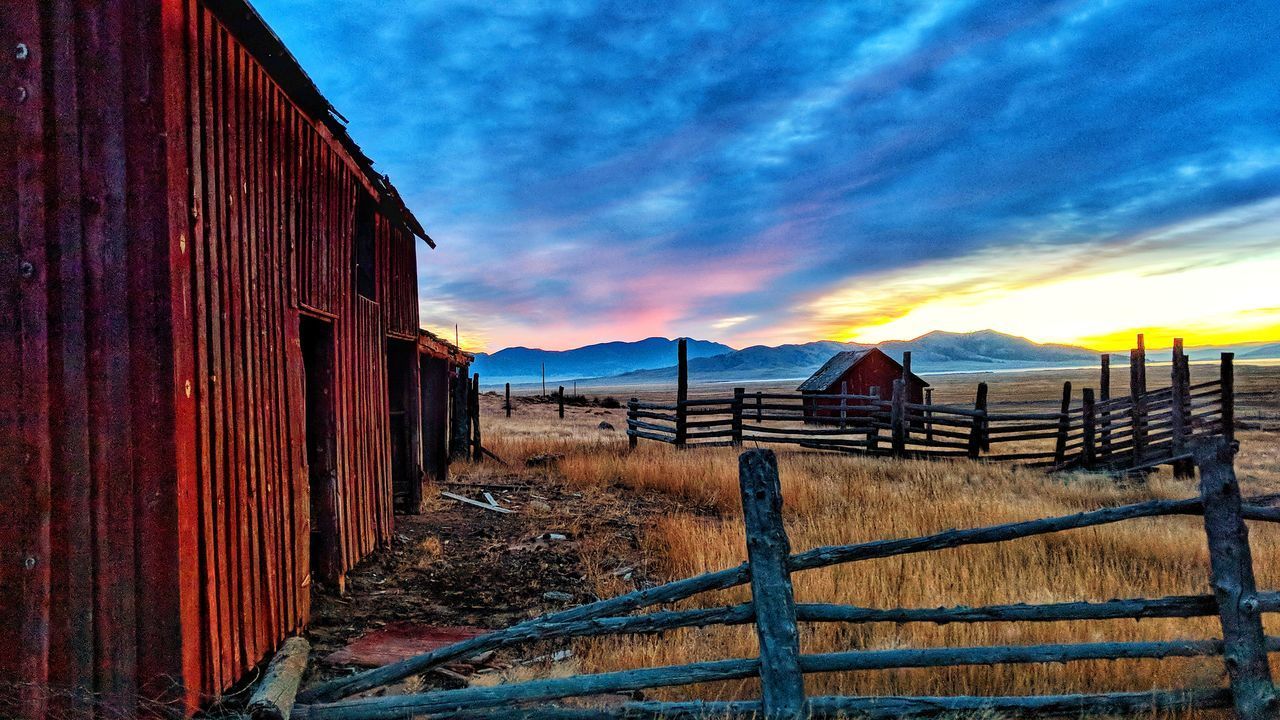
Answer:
(781, 664)
(1118, 434)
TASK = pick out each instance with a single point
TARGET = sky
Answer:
(784, 172)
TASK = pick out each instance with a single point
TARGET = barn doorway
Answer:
(402, 404)
(435, 417)
(316, 338)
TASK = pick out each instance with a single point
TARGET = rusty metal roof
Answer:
(262, 42)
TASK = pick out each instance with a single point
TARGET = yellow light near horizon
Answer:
(1229, 303)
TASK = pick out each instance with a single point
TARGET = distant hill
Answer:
(935, 352)
(524, 365)
(1266, 352)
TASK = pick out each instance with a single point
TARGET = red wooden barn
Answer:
(209, 353)
(860, 372)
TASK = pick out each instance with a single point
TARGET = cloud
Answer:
(598, 167)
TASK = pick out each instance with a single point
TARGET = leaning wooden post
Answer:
(1104, 394)
(1064, 425)
(477, 447)
(632, 408)
(682, 393)
(273, 698)
(772, 597)
(1089, 452)
(1227, 375)
(1138, 400)
(1231, 566)
(508, 403)
(736, 422)
(898, 417)
(977, 431)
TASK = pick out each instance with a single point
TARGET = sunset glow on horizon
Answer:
(1069, 172)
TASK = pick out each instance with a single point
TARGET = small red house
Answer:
(859, 372)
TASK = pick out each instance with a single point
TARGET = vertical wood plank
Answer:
(682, 393)
(928, 415)
(1138, 399)
(736, 416)
(1104, 418)
(477, 447)
(1064, 425)
(632, 440)
(1231, 565)
(898, 417)
(1227, 376)
(772, 596)
(560, 402)
(1178, 386)
(977, 431)
(506, 405)
(25, 452)
(1089, 452)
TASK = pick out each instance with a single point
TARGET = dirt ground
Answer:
(460, 565)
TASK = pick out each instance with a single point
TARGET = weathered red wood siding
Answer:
(167, 212)
(279, 200)
(92, 504)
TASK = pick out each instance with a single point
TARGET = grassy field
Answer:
(830, 499)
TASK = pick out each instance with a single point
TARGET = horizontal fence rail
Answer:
(781, 664)
(1118, 435)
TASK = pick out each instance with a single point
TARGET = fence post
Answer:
(508, 403)
(844, 403)
(460, 416)
(1064, 425)
(1138, 399)
(928, 415)
(1231, 566)
(1179, 381)
(477, 448)
(1090, 452)
(898, 417)
(631, 420)
(682, 393)
(1104, 394)
(1227, 374)
(760, 408)
(977, 432)
(772, 596)
(560, 401)
(738, 395)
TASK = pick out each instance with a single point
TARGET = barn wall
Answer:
(166, 214)
(276, 238)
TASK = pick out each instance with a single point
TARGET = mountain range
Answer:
(651, 361)
(526, 365)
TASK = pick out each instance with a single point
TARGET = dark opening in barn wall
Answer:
(364, 247)
(317, 341)
(435, 417)
(402, 405)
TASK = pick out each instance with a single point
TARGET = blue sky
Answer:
(792, 171)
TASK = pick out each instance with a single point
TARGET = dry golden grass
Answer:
(831, 499)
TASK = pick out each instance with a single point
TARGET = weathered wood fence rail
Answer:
(1117, 434)
(781, 664)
